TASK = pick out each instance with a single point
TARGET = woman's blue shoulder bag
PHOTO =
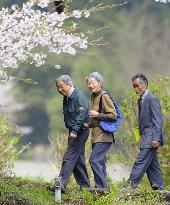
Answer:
(110, 125)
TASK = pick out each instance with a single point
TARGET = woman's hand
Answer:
(85, 126)
(93, 113)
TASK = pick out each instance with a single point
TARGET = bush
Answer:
(8, 145)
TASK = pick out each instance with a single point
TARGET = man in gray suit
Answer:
(150, 129)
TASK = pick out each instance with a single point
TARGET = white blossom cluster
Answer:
(24, 30)
(79, 14)
(43, 3)
(3, 76)
(163, 1)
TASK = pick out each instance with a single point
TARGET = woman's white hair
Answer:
(95, 75)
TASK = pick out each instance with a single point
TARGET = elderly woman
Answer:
(101, 140)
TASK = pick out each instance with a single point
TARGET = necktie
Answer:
(139, 104)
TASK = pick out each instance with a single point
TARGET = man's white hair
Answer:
(65, 78)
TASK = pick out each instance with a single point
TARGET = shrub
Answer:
(8, 145)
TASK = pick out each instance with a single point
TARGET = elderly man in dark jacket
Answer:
(75, 110)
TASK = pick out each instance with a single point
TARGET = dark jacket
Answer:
(75, 109)
(150, 121)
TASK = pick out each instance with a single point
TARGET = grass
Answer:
(16, 191)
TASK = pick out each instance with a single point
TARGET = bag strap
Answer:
(100, 102)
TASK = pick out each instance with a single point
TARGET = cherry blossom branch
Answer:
(26, 29)
(29, 35)
(163, 1)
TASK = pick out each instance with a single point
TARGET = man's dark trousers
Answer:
(147, 161)
(74, 160)
(97, 162)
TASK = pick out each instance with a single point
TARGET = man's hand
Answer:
(93, 113)
(72, 135)
(155, 144)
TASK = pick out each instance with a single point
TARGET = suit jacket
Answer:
(150, 121)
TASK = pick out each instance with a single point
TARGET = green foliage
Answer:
(36, 116)
(56, 122)
(117, 55)
(21, 191)
(142, 195)
(97, 62)
(8, 145)
(161, 88)
(18, 191)
(58, 147)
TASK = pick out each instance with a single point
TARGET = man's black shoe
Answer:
(157, 188)
(99, 191)
(58, 184)
(81, 187)
(127, 187)
(53, 187)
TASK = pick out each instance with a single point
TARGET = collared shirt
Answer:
(144, 95)
(70, 91)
